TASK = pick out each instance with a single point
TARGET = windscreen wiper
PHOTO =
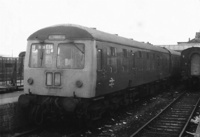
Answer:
(41, 57)
(78, 48)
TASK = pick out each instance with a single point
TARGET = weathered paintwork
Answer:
(112, 63)
(190, 62)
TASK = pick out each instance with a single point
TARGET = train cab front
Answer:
(57, 74)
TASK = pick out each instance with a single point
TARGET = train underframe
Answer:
(193, 82)
(48, 108)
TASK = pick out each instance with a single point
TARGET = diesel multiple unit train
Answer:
(190, 65)
(71, 69)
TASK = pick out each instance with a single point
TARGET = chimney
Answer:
(197, 35)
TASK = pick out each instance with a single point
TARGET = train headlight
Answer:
(49, 79)
(57, 79)
(30, 81)
(79, 83)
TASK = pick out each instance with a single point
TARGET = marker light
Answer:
(30, 81)
(57, 79)
(49, 79)
(79, 83)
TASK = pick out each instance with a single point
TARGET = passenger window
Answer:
(133, 59)
(125, 54)
(113, 51)
(140, 54)
(112, 59)
(147, 55)
(153, 56)
(125, 60)
(158, 59)
(99, 59)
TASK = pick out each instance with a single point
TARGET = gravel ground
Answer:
(129, 119)
(192, 126)
(126, 120)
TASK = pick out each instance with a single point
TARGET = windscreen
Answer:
(41, 55)
(71, 56)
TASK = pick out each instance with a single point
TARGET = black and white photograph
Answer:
(99, 68)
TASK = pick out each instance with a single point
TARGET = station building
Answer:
(184, 45)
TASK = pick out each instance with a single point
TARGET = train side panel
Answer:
(120, 67)
(195, 65)
(190, 62)
(174, 66)
(115, 71)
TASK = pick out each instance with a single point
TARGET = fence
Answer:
(11, 73)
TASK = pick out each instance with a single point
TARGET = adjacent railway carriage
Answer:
(174, 66)
(190, 65)
(85, 71)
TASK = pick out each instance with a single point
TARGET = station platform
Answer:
(11, 117)
(9, 97)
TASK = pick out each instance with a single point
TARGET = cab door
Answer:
(101, 84)
(195, 65)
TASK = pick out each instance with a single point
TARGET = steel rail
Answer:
(183, 130)
(39, 129)
(27, 132)
(135, 133)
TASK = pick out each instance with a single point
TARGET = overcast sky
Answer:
(160, 22)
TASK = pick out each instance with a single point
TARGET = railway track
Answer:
(28, 132)
(46, 131)
(173, 120)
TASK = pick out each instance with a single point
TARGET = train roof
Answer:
(22, 54)
(191, 48)
(79, 32)
(174, 52)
